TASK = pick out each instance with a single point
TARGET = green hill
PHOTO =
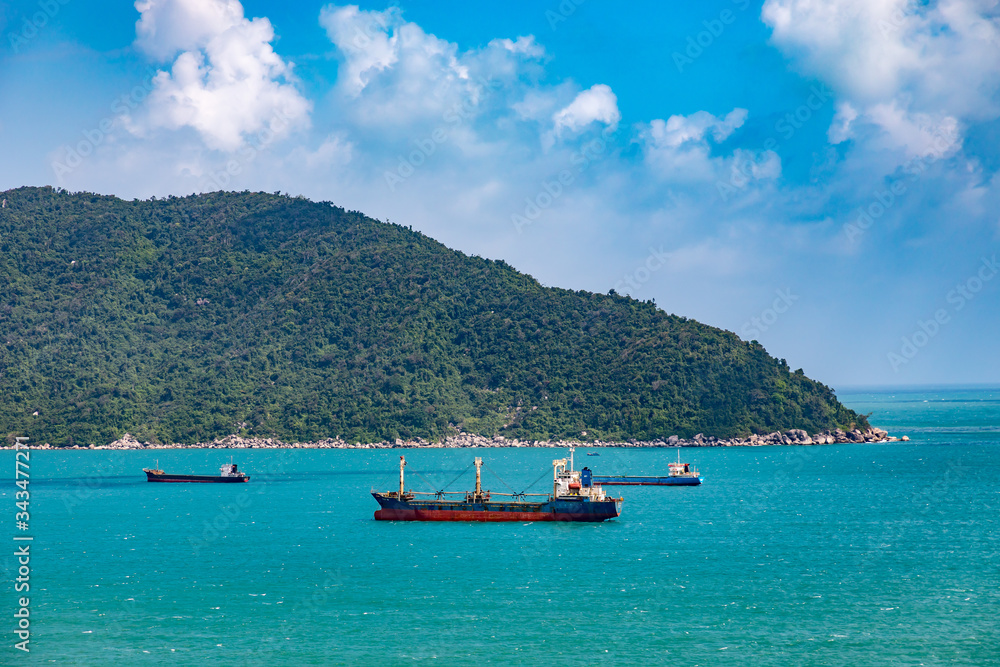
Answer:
(183, 319)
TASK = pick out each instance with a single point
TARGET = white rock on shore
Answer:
(464, 440)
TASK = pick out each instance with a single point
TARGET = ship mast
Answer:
(479, 486)
(402, 464)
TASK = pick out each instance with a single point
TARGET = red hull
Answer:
(469, 515)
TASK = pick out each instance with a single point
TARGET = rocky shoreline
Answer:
(465, 440)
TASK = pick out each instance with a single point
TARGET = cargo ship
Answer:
(228, 474)
(681, 474)
(574, 497)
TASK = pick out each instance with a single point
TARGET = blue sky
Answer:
(818, 175)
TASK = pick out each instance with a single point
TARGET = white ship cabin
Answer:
(569, 484)
(678, 469)
(229, 470)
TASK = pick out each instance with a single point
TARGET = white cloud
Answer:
(859, 45)
(596, 104)
(840, 128)
(227, 81)
(393, 75)
(334, 151)
(393, 70)
(166, 27)
(525, 45)
(918, 134)
(540, 105)
(678, 148)
(678, 129)
(369, 42)
(909, 69)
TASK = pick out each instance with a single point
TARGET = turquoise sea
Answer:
(882, 554)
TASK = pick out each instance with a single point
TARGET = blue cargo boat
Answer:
(681, 474)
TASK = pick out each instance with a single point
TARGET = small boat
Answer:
(574, 497)
(228, 474)
(593, 454)
(681, 474)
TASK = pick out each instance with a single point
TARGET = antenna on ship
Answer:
(479, 486)
(571, 466)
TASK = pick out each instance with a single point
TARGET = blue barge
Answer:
(681, 474)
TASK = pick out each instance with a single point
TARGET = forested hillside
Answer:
(183, 319)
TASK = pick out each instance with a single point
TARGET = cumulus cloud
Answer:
(898, 65)
(680, 148)
(369, 42)
(168, 27)
(395, 75)
(678, 130)
(227, 81)
(919, 134)
(597, 104)
(400, 69)
(860, 45)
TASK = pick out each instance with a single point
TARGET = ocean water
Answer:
(836, 555)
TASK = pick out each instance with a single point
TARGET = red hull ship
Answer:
(574, 497)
